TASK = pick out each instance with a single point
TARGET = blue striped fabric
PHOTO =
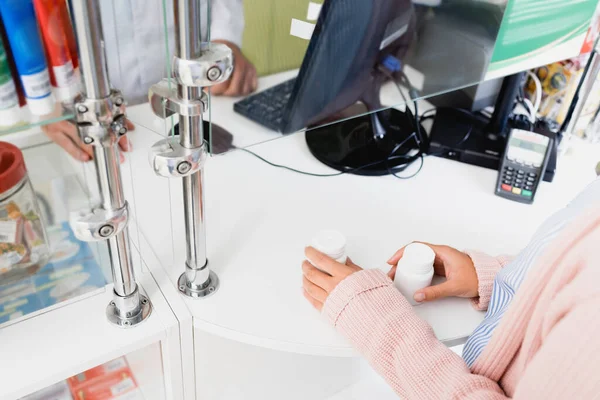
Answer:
(509, 279)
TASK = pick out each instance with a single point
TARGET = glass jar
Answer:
(24, 247)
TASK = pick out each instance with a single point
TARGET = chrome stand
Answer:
(100, 117)
(196, 65)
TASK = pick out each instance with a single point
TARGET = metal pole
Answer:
(191, 135)
(588, 78)
(195, 65)
(90, 41)
(100, 114)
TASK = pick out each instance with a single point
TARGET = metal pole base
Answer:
(126, 312)
(207, 289)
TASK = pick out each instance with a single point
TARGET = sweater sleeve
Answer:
(486, 267)
(368, 310)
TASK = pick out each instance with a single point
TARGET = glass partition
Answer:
(319, 64)
(72, 269)
(324, 63)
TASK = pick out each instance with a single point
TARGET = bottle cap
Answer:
(330, 242)
(419, 257)
(11, 116)
(12, 166)
(41, 106)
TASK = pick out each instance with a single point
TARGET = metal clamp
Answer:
(165, 101)
(99, 224)
(214, 66)
(99, 111)
(170, 159)
(98, 134)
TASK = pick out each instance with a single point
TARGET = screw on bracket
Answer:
(82, 109)
(184, 167)
(214, 73)
(106, 230)
(88, 140)
(119, 101)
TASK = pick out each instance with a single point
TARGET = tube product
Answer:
(19, 20)
(55, 24)
(9, 99)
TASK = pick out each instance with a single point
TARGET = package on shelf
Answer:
(114, 366)
(111, 381)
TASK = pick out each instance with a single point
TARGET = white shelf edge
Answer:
(53, 346)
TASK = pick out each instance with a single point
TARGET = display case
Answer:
(216, 235)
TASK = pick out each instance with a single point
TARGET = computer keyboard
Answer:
(268, 106)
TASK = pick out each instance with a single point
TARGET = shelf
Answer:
(25, 138)
(34, 124)
(53, 346)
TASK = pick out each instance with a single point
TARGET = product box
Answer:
(117, 385)
(115, 366)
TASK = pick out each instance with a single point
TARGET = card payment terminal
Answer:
(522, 166)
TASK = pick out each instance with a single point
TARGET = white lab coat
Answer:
(135, 42)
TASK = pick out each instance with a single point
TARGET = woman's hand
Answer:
(316, 282)
(243, 80)
(65, 134)
(456, 266)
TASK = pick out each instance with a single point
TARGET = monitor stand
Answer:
(362, 145)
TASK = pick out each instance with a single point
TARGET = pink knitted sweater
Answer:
(547, 345)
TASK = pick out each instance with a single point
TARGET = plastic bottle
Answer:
(415, 270)
(21, 26)
(331, 243)
(9, 98)
(54, 29)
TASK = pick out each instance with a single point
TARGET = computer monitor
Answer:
(340, 68)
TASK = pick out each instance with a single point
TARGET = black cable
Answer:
(289, 168)
(422, 158)
(350, 171)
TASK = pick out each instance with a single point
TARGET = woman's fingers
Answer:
(315, 291)
(396, 257)
(445, 289)
(316, 304)
(317, 277)
(392, 273)
(325, 263)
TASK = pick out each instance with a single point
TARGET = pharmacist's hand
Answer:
(456, 266)
(243, 80)
(317, 284)
(65, 134)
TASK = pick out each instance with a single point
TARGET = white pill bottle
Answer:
(331, 243)
(414, 270)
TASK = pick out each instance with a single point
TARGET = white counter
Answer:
(260, 218)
